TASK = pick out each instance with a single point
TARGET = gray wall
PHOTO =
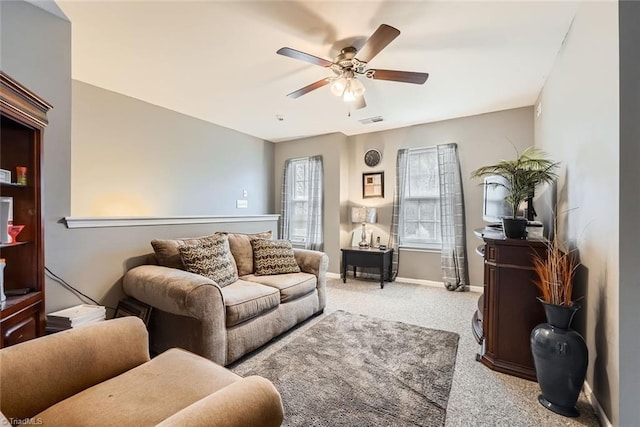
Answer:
(629, 15)
(133, 158)
(36, 51)
(481, 140)
(579, 126)
(332, 149)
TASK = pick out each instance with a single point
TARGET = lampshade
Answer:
(338, 86)
(348, 87)
(364, 215)
(357, 88)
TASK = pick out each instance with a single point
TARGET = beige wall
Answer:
(332, 148)
(578, 126)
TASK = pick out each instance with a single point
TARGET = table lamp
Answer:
(364, 216)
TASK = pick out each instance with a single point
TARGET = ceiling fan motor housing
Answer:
(347, 60)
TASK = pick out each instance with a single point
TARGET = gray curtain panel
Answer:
(315, 232)
(398, 195)
(454, 242)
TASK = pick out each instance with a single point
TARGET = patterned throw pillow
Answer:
(242, 251)
(166, 250)
(273, 257)
(210, 257)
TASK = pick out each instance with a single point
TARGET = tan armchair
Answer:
(102, 375)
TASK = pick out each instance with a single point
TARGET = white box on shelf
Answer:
(6, 218)
(5, 176)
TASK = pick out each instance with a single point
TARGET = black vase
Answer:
(560, 356)
(514, 228)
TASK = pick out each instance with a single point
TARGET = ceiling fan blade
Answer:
(398, 76)
(359, 103)
(313, 86)
(296, 54)
(384, 35)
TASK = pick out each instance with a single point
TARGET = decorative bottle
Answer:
(3, 297)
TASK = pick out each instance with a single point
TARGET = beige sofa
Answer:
(223, 323)
(101, 375)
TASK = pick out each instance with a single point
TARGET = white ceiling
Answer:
(217, 60)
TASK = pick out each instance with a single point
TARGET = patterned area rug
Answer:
(354, 370)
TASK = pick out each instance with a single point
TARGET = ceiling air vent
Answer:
(371, 120)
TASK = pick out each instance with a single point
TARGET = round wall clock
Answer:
(372, 157)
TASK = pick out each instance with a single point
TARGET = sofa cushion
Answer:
(166, 250)
(240, 244)
(245, 300)
(273, 257)
(145, 395)
(291, 285)
(210, 258)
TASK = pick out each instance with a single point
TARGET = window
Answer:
(299, 198)
(420, 205)
(302, 203)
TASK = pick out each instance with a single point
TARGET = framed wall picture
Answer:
(372, 184)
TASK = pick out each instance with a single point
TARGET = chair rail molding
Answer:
(137, 221)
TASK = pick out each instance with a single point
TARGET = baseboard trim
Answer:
(424, 282)
(602, 416)
(419, 282)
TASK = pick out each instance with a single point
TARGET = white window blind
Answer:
(299, 198)
(420, 207)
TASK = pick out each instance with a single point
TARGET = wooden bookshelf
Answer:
(23, 117)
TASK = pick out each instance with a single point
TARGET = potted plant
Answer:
(560, 354)
(523, 174)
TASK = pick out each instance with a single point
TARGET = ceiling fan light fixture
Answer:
(354, 90)
(348, 96)
(357, 88)
(339, 85)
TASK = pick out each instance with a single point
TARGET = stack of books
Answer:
(75, 317)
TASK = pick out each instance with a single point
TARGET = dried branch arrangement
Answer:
(556, 274)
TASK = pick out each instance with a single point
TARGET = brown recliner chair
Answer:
(102, 375)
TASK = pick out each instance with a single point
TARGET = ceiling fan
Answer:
(352, 62)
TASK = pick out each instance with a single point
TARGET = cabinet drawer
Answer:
(512, 255)
(491, 253)
(22, 326)
(24, 330)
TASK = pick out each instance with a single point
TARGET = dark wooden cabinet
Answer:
(22, 119)
(370, 257)
(508, 310)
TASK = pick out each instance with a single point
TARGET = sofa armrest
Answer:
(252, 401)
(316, 263)
(39, 373)
(174, 291)
(184, 294)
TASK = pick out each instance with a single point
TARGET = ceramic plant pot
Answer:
(560, 356)
(514, 228)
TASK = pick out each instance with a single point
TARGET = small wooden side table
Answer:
(372, 257)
